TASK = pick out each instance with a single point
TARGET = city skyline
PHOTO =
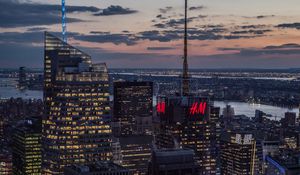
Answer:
(144, 34)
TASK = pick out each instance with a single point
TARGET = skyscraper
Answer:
(133, 107)
(239, 154)
(76, 97)
(190, 122)
(22, 78)
(27, 149)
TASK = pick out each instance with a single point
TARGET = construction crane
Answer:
(63, 20)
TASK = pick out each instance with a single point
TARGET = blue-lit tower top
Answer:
(64, 26)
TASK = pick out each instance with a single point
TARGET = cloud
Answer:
(165, 10)
(284, 46)
(264, 16)
(107, 37)
(253, 26)
(160, 48)
(115, 10)
(196, 8)
(256, 32)
(289, 25)
(18, 14)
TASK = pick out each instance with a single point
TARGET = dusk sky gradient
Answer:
(148, 33)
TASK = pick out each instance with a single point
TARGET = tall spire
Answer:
(63, 20)
(185, 75)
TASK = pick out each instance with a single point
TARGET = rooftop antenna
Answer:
(64, 26)
(185, 75)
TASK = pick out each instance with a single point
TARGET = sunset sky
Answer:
(148, 33)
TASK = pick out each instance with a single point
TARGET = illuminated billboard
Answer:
(180, 109)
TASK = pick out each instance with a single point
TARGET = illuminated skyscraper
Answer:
(239, 154)
(133, 107)
(76, 97)
(27, 149)
(190, 122)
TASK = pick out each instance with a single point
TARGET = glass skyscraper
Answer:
(76, 96)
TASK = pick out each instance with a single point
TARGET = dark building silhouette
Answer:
(22, 78)
(190, 122)
(1, 129)
(5, 163)
(173, 162)
(289, 119)
(98, 168)
(133, 108)
(27, 148)
(136, 152)
(77, 110)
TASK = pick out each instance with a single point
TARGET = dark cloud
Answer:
(173, 23)
(37, 29)
(253, 26)
(160, 48)
(284, 46)
(256, 32)
(264, 16)
(196, 8)
(165, 10)
(17, 14)
(289, 25)
(115, 10)
(106, 37)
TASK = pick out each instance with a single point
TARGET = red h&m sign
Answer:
(198, 108)
(161, 107)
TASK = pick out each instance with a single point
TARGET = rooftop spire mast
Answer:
(64, 26)
(185, 75)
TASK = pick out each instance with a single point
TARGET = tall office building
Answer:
(190, 122)
(76, 97)
(173, 161)
(239, 154)
(27, 149)
(133, 107)
(136, 153)
(22, 78)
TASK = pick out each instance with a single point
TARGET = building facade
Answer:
(238, 154)
(27, 149)
(173, 161)
(193, 123)
(97, 168)
(133, 108)
(76, 95)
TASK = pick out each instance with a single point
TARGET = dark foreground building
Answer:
(76, 97)
(133, 104)
(27, 148)
(136, 153)
(173, 162)
(98, 168)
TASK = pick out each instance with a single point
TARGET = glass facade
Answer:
(76, 96)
